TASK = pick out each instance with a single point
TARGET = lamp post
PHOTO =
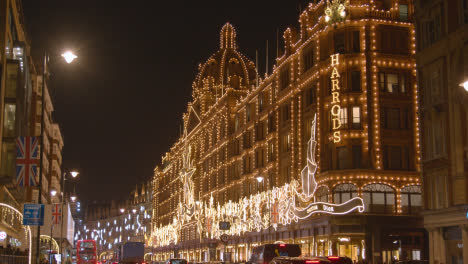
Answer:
(69, 57)
(259, 180)
(74, 174)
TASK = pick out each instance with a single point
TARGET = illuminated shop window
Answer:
(344, 117)
(344, 192)
(379, 198)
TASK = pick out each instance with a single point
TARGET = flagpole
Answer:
(39, 199)
(50, 241)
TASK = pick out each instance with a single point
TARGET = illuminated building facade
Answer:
(442, 59)
(112, 223)
(249, 142)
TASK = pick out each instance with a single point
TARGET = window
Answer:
(343, 158)
(391, 118)
(356, 41)
(388, 34)
(236, 122)
(247, 161)
(389, 82)
(247, 139)
(339, 42)
(379, 198)
(272, 180)
(344, 117)
(8, 166)
(9, 122)
(411, 199)
(396, 157)
(308, 59)
(271, 151)
(284, 78)
(286, 142)
(271, 123)
(356, 81)
(310, 95)
(344, 192)
(357, 157)
(12, 80)
(356, 117)
(322, 194)
(404, 12)
(260, 102)
(286, 112)
(431, 30)
(248, 113)
(259, 131)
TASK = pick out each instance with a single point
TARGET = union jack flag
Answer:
(56, 214)
(27, 160)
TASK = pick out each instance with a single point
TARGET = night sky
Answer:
(120, 105)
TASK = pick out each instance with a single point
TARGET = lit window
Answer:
(404, 12)
(344, 117)
(356, 117)
(10, 120)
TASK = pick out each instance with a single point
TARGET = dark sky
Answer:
(120, 105)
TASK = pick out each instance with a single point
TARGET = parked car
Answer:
(299, 260)
(337, 260)
(265, 253)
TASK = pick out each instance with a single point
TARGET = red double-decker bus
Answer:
(86, 252)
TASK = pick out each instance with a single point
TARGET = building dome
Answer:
(227, 67)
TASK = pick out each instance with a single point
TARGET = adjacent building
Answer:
(351, 64)
(114, 223)
(442, 59)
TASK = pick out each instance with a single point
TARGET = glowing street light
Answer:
(69, 56)
(73, 197)
(134, 210)
(53, 192)
(74, 174)
(259, 179)
(464, 85)
(122, 210)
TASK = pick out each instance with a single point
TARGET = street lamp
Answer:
(464, 85)
(134, 210)
(53, 192)
(122, 210)
(259, 180)
(74, 173)
(69, 57)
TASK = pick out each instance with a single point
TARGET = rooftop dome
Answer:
(227, 66)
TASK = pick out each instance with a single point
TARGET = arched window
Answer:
(344, 192)
(214, 135)
(379, 198)
(411, 199)
(321, 195)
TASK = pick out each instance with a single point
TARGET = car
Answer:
(265, 253)
(176, 261)
(337, 260)
(299, 260)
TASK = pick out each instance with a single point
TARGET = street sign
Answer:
(224, 225)
(224, 238)
(33, 214)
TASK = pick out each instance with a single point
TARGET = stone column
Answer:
(464, 229)
(431, 245)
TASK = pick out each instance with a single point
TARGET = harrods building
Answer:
(240, 127)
